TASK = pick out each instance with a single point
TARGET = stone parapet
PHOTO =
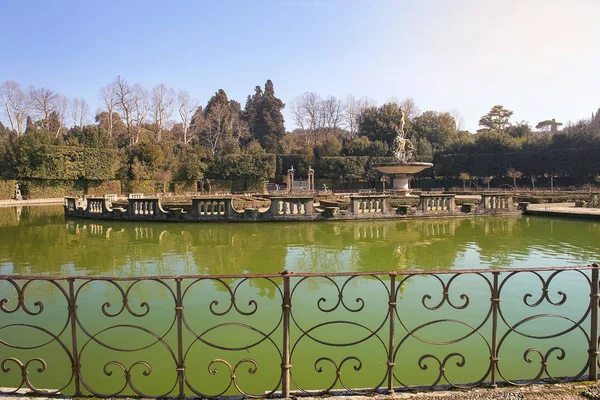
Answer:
(437, 202)
(369, 204)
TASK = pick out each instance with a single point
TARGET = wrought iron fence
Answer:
(308, 341)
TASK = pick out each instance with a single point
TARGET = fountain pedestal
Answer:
(401, 171)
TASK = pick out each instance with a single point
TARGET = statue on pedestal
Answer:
(402, 148)
(18, 192)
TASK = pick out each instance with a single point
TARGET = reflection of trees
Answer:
(43, 243)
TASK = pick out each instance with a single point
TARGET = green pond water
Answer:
(248, 333)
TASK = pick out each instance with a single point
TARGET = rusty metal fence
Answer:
(97, 311)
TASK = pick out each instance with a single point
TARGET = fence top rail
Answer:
(298, 274)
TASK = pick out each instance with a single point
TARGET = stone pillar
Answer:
(311, 179)
(290, 179)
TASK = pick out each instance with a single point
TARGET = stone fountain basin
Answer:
(402, 167)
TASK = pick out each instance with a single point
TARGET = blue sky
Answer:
(539, 58)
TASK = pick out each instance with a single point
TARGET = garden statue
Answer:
(402, 148)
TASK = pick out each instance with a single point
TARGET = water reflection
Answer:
(38, 240)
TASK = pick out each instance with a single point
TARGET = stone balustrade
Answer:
(369, 204)
(97, 205)
(135, 196)
(289, 206)
(149, 207)
(497, 202)
(437, 202)
(212, 207)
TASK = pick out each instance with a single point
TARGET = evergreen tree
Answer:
(252, 105)
(30, 126)
(264, 117)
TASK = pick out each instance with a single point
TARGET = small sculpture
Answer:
(18, 192)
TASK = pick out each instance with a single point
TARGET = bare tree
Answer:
(107, 95)
(16, 103)
(333, 110)
(124, 102)
(215, 126)
(311, 103)
(61, 107)
(79, 111)
(141, 108)
(298, 113)
(458, 118)
(309, 114)
(410, 108)
(43, 103)
(352, 112)
(186, 107)
(162, 107)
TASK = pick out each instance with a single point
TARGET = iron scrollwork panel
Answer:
(549, 327)
(35, 354)
(339, 333)
(128, 338)
(442, 329)
(232, 344)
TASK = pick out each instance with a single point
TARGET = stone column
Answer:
(311, 179)
(290, 179)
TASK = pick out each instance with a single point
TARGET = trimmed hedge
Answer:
(148, 188)
(7, 189)
(46, 189)
(183, 187)
(561, 162)
(68, 162)
(100, 188)
(243, 166)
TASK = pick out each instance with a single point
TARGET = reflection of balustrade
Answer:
(145, 208)
(497, 320)
(437, 202)
(212, 207)
(291, 206)
(369, 204)
(497, 202)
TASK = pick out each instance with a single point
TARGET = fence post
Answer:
(392, 318)
(72, 307)
(180, 362)
(285, 362)
(593, 351)
(495, 300)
